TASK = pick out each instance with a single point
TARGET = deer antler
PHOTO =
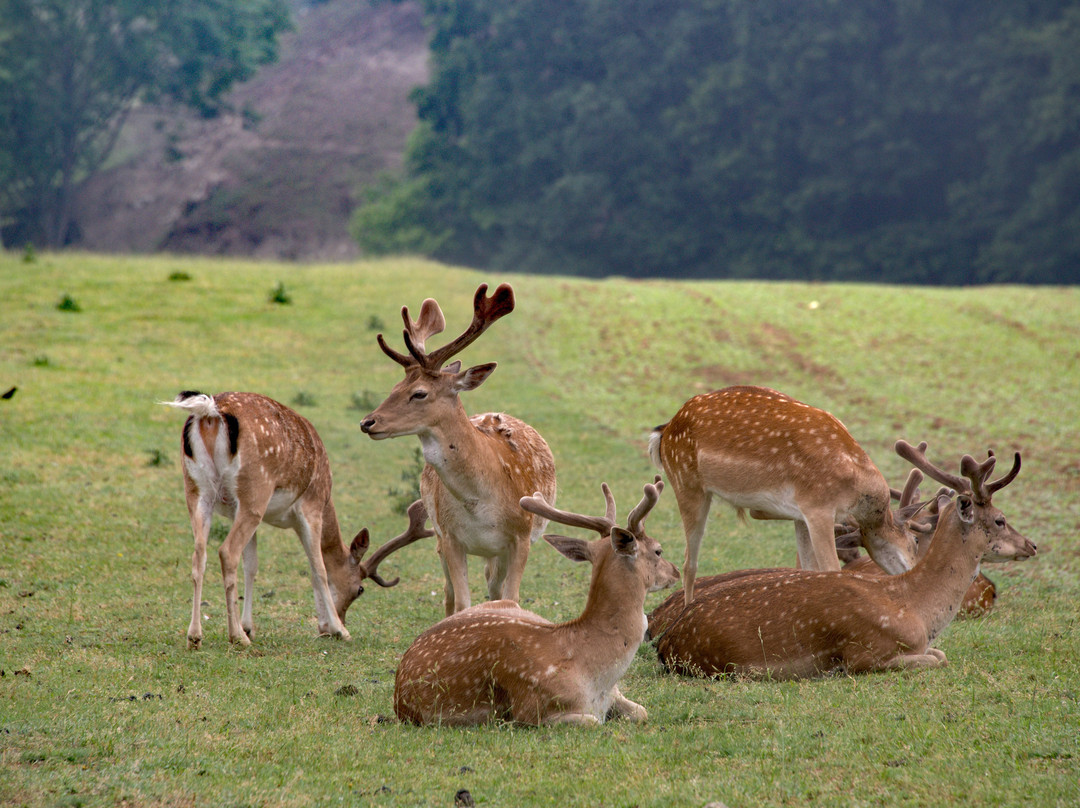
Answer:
(975, 474)
(602, 525)
(637, 516)
(414, 532)
(486, 310)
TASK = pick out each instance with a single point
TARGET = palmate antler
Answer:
(603, 525)
(975, 474)
(414, 532)
(486, 310)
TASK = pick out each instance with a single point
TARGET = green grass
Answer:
(101, 703)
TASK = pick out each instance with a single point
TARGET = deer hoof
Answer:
(194, 643)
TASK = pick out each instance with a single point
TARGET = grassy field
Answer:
(101, 703)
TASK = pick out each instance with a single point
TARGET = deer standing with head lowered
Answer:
(497, 661)
(796, 623)
(477, 469)
(254, 460)
(766, 453)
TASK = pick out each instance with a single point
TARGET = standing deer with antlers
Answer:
(795, 623)
(477, 469)
(766, 453)
(497, 661)
(254, 460)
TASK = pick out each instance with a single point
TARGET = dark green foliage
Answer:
(279, 295)
(903, 141)
(68, 303)
(70, 70)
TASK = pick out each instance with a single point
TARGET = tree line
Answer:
(910, 141)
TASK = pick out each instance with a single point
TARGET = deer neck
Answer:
(333, 548)
(614, 616)
(935, 588)
(459, 454)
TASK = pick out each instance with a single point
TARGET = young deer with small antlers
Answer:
(796, 623)
(253, 460)
(476, 468)
(766, 453)
(497, 661)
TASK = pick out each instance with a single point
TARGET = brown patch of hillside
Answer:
(279, 176)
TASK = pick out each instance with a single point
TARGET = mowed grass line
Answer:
(101, 703)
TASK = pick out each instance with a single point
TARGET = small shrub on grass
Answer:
(364, 401)
(29, 254)
(179, 275)
(303, 399)
(405, 495)
(280, 296)
(375, 323)
(68, 303)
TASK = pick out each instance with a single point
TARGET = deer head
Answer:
(419, 401)
(974, 491)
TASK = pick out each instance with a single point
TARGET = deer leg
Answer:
(200, 526)
(694, 509)
(510, 570)
(309, 529)
(456, 573)
(243, 528)
(622, 707)
(816, 541)
(251, 568)
(578, 719)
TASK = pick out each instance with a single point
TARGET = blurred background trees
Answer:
(905, 141)
(71, 71)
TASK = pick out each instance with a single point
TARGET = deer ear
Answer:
(359, 545)
(624, 542)
(574, 549)
(473, 377)
(965, 507)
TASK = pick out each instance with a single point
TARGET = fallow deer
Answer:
(497, 661)
(476, 468)
(766, 453)
(980, 597)
(254, 460)
(795, 623)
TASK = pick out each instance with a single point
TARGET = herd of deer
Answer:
(488, 488)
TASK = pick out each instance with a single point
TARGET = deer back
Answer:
(746, 443)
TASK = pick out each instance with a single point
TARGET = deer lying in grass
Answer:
(253, 460)
(980, 596)
(795, 623)
(766, 453)
(477, 468)
(497, 661)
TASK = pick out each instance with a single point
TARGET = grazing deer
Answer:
(794, 623)
(497, 661)
(766, 453)
(476, 468)
(253, 460)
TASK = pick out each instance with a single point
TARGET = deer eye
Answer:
(659, 551)
(419, 395)
(1000, 521)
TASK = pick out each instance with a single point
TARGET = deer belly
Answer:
(778, 502)
(281, 509)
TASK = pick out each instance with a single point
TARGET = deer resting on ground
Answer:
(254, 460)
(497, 661)
(796, 623)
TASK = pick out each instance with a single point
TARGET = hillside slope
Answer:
(280, 175)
